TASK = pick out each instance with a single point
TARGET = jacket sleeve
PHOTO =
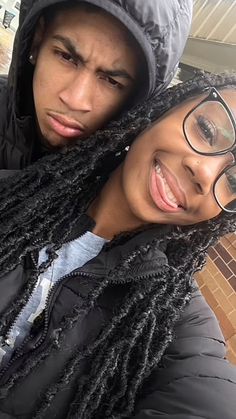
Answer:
(6, 416)
(3, 119)
(15, 152)
(195, 380)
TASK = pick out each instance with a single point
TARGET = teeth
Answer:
(168, 191)
(158, 170)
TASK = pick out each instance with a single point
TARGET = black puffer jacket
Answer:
(160, 28)
(195, 381)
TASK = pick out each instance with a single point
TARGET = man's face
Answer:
(86, 69)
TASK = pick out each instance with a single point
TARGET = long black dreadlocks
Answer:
(42, 205)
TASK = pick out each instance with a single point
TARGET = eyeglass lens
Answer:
(209, 129)
(225, 189)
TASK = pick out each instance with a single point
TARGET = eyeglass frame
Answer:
(214, 96)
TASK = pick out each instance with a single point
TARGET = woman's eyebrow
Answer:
(71, 48)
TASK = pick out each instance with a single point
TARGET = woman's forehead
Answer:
(229, 96)
(181, 109)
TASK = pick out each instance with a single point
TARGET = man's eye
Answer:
(65, 56)
(207, 130)
(112, 82)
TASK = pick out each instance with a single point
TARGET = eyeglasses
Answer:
(210, 130)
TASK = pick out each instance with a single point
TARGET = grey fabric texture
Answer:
(161, 29)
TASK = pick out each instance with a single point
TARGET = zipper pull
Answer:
(6, 342)
(38, 322)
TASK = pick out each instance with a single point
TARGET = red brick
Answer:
(212, 253)
(199, 280)
(223, 301)
(232, 238)
(231, 356)
(232, 319)
(223, 284)
(211, 267)
(232, 300)
(213, 303)
(211, 281)
(232, 342)
(223, 253)
(225, 324)
(232, 282)
(232, 251)
(225, 242)
(232, 266)
(223, 267)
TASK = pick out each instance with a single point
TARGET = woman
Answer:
(125, 332)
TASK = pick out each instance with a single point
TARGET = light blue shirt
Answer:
(71, 256)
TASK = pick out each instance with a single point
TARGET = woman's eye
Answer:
(231, 183)
(207, 130)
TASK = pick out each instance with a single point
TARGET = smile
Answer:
(169, 196)
(164, 190)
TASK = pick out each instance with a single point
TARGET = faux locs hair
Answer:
(42, 205)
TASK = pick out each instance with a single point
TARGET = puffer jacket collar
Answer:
(113, 262)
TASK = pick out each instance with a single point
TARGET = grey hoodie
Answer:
(160, 27)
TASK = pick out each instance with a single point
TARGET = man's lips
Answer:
(165, 191)
(65, 126)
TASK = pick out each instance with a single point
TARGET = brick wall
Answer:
(217, 282)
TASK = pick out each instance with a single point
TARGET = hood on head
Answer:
(160, 27)
(161, 30)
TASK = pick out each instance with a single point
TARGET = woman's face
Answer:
(164, 180)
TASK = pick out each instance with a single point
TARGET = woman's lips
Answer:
(164, 190)
(65, 127)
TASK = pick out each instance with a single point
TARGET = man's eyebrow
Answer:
(76, 55)
(69, 46)
(118, 73)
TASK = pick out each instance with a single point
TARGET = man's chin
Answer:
(52, 142)
(56, 144)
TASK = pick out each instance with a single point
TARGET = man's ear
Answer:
(37, 40)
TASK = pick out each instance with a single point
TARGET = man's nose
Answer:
(203, 170)
(79, 92)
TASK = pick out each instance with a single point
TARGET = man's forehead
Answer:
(84, 13)
(65, 8)
(80, 12)
(115, 68)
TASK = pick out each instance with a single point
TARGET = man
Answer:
(77, 64)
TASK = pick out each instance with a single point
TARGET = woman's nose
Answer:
(203, 170)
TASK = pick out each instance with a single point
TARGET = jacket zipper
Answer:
(19, 351)
(26, 340)
(7, 338)
(48, 301)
